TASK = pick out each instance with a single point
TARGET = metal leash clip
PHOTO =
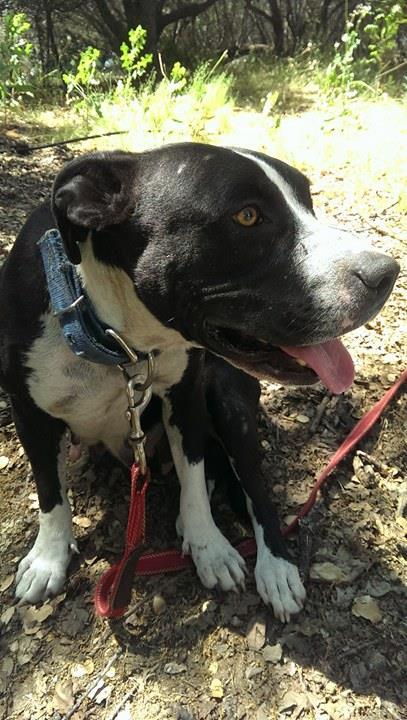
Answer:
(139, 393)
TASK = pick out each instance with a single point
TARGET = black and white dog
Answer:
(213, 259)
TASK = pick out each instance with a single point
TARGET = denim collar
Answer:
(84, 333)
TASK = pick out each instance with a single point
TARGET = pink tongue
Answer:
(330, 360)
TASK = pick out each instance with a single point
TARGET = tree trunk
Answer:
(147, 13)
(276, 20)
(51, 46)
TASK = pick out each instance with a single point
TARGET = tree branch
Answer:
(258, 11)
(189, 10)
(111, 20)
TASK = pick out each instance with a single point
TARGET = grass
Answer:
(292, 119)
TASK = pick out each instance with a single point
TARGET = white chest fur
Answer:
(90, 398)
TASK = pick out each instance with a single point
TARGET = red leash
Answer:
(113, 592)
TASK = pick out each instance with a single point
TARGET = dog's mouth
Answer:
(328, 362)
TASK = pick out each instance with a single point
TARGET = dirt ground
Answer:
(184, 652)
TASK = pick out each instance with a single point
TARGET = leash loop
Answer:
(113, 591)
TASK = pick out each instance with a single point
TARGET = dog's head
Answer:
(223, 246)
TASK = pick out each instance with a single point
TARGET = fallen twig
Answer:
(307, 530)
(92, 685)
(402, 501)
(24, 149)
(124, 699)
(373, 461)
(382, 230)
(320, 411)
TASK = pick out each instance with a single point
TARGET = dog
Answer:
(212, 259)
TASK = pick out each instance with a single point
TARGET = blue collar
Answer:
(84, 333)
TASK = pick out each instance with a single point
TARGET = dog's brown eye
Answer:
(248, 216)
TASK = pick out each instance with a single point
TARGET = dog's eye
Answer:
(248, 216)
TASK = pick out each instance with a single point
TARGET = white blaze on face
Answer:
(323, 245)
(303, 215)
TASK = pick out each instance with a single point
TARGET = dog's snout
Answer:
(376, 271)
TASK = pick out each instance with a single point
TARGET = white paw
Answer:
(217, 562)
(42, 572)
(279, 585)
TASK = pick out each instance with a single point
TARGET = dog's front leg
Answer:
(42, 572)
(216, 561)
(234, 413)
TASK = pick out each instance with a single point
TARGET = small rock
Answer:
(209, 606)
(159, 604)
(304, 419)
(273, 653)
(79, 670)
(216, 688)
(174, 668)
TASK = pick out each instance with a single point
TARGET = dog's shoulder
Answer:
(22, 276)
(23, 292)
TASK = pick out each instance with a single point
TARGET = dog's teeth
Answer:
(301, 362)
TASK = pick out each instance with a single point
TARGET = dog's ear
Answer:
(92, 193)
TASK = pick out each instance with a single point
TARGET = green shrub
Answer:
(16, 69)
(367, 49)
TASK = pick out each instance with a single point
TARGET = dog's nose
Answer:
(376, 271)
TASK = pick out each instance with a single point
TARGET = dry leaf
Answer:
(82, 521)
(7, 665)
(7, 615)
(6, 583)
(327, 571)
(213, 668)
(32, 616)
(216, 688)
(292, 699)
(366, 607)
(256, 634)
(273, 653)
(4, 461)
(63, 697)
